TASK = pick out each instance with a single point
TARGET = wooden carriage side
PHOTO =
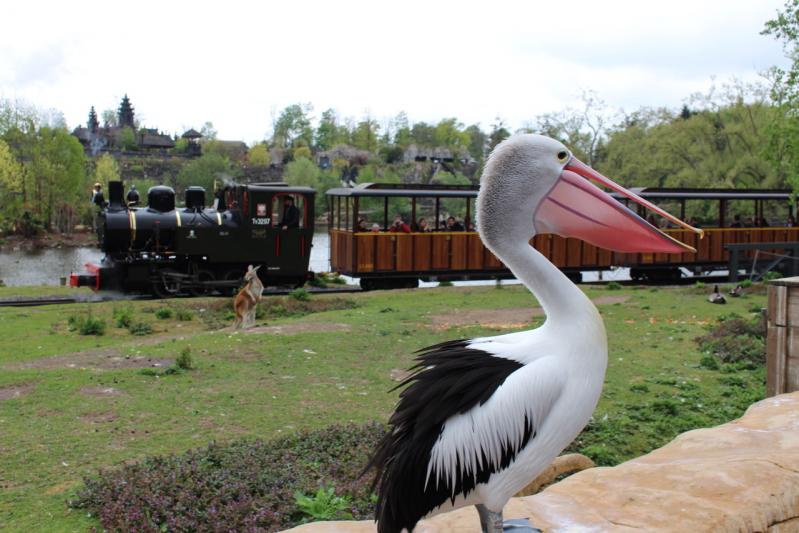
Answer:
(462, 255)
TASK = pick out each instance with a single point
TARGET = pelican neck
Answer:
(561, 299)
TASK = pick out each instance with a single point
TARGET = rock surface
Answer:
(740, 476)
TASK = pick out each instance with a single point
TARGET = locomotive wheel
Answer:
(165, 286)
(203, 276)
(231, 275)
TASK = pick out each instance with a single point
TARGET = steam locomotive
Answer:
(200, 248)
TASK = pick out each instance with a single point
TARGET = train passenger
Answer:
(762, 222)
(375, 228)
(422, 226)
(751, 222)
(454, 225)
(790, 222)
(736, 222)
(399, 226)
(133, 196)
(363, 225)
(291, 215)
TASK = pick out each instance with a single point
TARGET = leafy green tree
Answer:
(109, 117)
(449, 133)
(106, 169)
(498, 133)
(302, 152)
(205, 170)
(364, 137)
(127, 139)
(330, 133)
(423, 134)
(402, 131)
(208, 131)
(303, 172)
(259, 156)
(293, 124)
(478, 141)
(58, 174)
(10, 187)
(783, 135)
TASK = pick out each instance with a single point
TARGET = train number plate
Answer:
(261, 221)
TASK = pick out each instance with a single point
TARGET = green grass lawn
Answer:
(70, 404)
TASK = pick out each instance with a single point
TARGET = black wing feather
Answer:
(448, 379)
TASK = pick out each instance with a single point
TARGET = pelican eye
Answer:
(563, 156)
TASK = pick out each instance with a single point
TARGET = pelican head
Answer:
(534, 184)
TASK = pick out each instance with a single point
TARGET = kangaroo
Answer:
(247, 298)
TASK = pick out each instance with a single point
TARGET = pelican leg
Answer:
(491, 522)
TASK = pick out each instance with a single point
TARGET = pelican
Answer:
(479, 419)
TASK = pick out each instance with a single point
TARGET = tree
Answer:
(783, 134)
(498, 133)
(364, 137)
(208, 131)
(92, 124)
(478, 141)
(329, 133)
(127, 139)
(10, 187)
(205, 170)
(106, 169)
(293, 124)
(109, 117)
(259, 156)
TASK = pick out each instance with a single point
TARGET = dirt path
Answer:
(507, 318)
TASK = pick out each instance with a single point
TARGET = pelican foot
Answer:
(519, 525)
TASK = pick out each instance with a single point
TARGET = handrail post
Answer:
(733, 265)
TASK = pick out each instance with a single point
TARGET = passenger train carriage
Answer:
(386, 259)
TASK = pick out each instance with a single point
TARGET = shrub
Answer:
(140, 328)
(613, 286)
(87, 324)
(249, 485)
(184, 315)
(318, 281)
(699, 285)
(163, 313)
(184, 360)
(123, 316)
(771, 275)
(324, 505)
(300, 294)
(445, 283)
(745, 284)
(735, 339)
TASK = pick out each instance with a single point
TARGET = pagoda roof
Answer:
(192, 134)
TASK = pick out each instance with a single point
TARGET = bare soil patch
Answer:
(100, 391)
(294, 329)
(11, 392)
(99, 417)
(104, 359)
(508, 318)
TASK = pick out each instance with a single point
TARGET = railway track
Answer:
(59, 300)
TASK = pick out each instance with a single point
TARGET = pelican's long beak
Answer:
(576, 208)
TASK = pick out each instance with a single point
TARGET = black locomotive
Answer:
(199, 248)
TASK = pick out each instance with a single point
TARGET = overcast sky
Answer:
(236, 64)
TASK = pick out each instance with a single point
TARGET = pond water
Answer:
(48, 266)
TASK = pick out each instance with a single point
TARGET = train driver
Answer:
(291, 214)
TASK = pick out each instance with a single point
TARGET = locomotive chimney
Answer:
(195, 198)
(116, 196)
